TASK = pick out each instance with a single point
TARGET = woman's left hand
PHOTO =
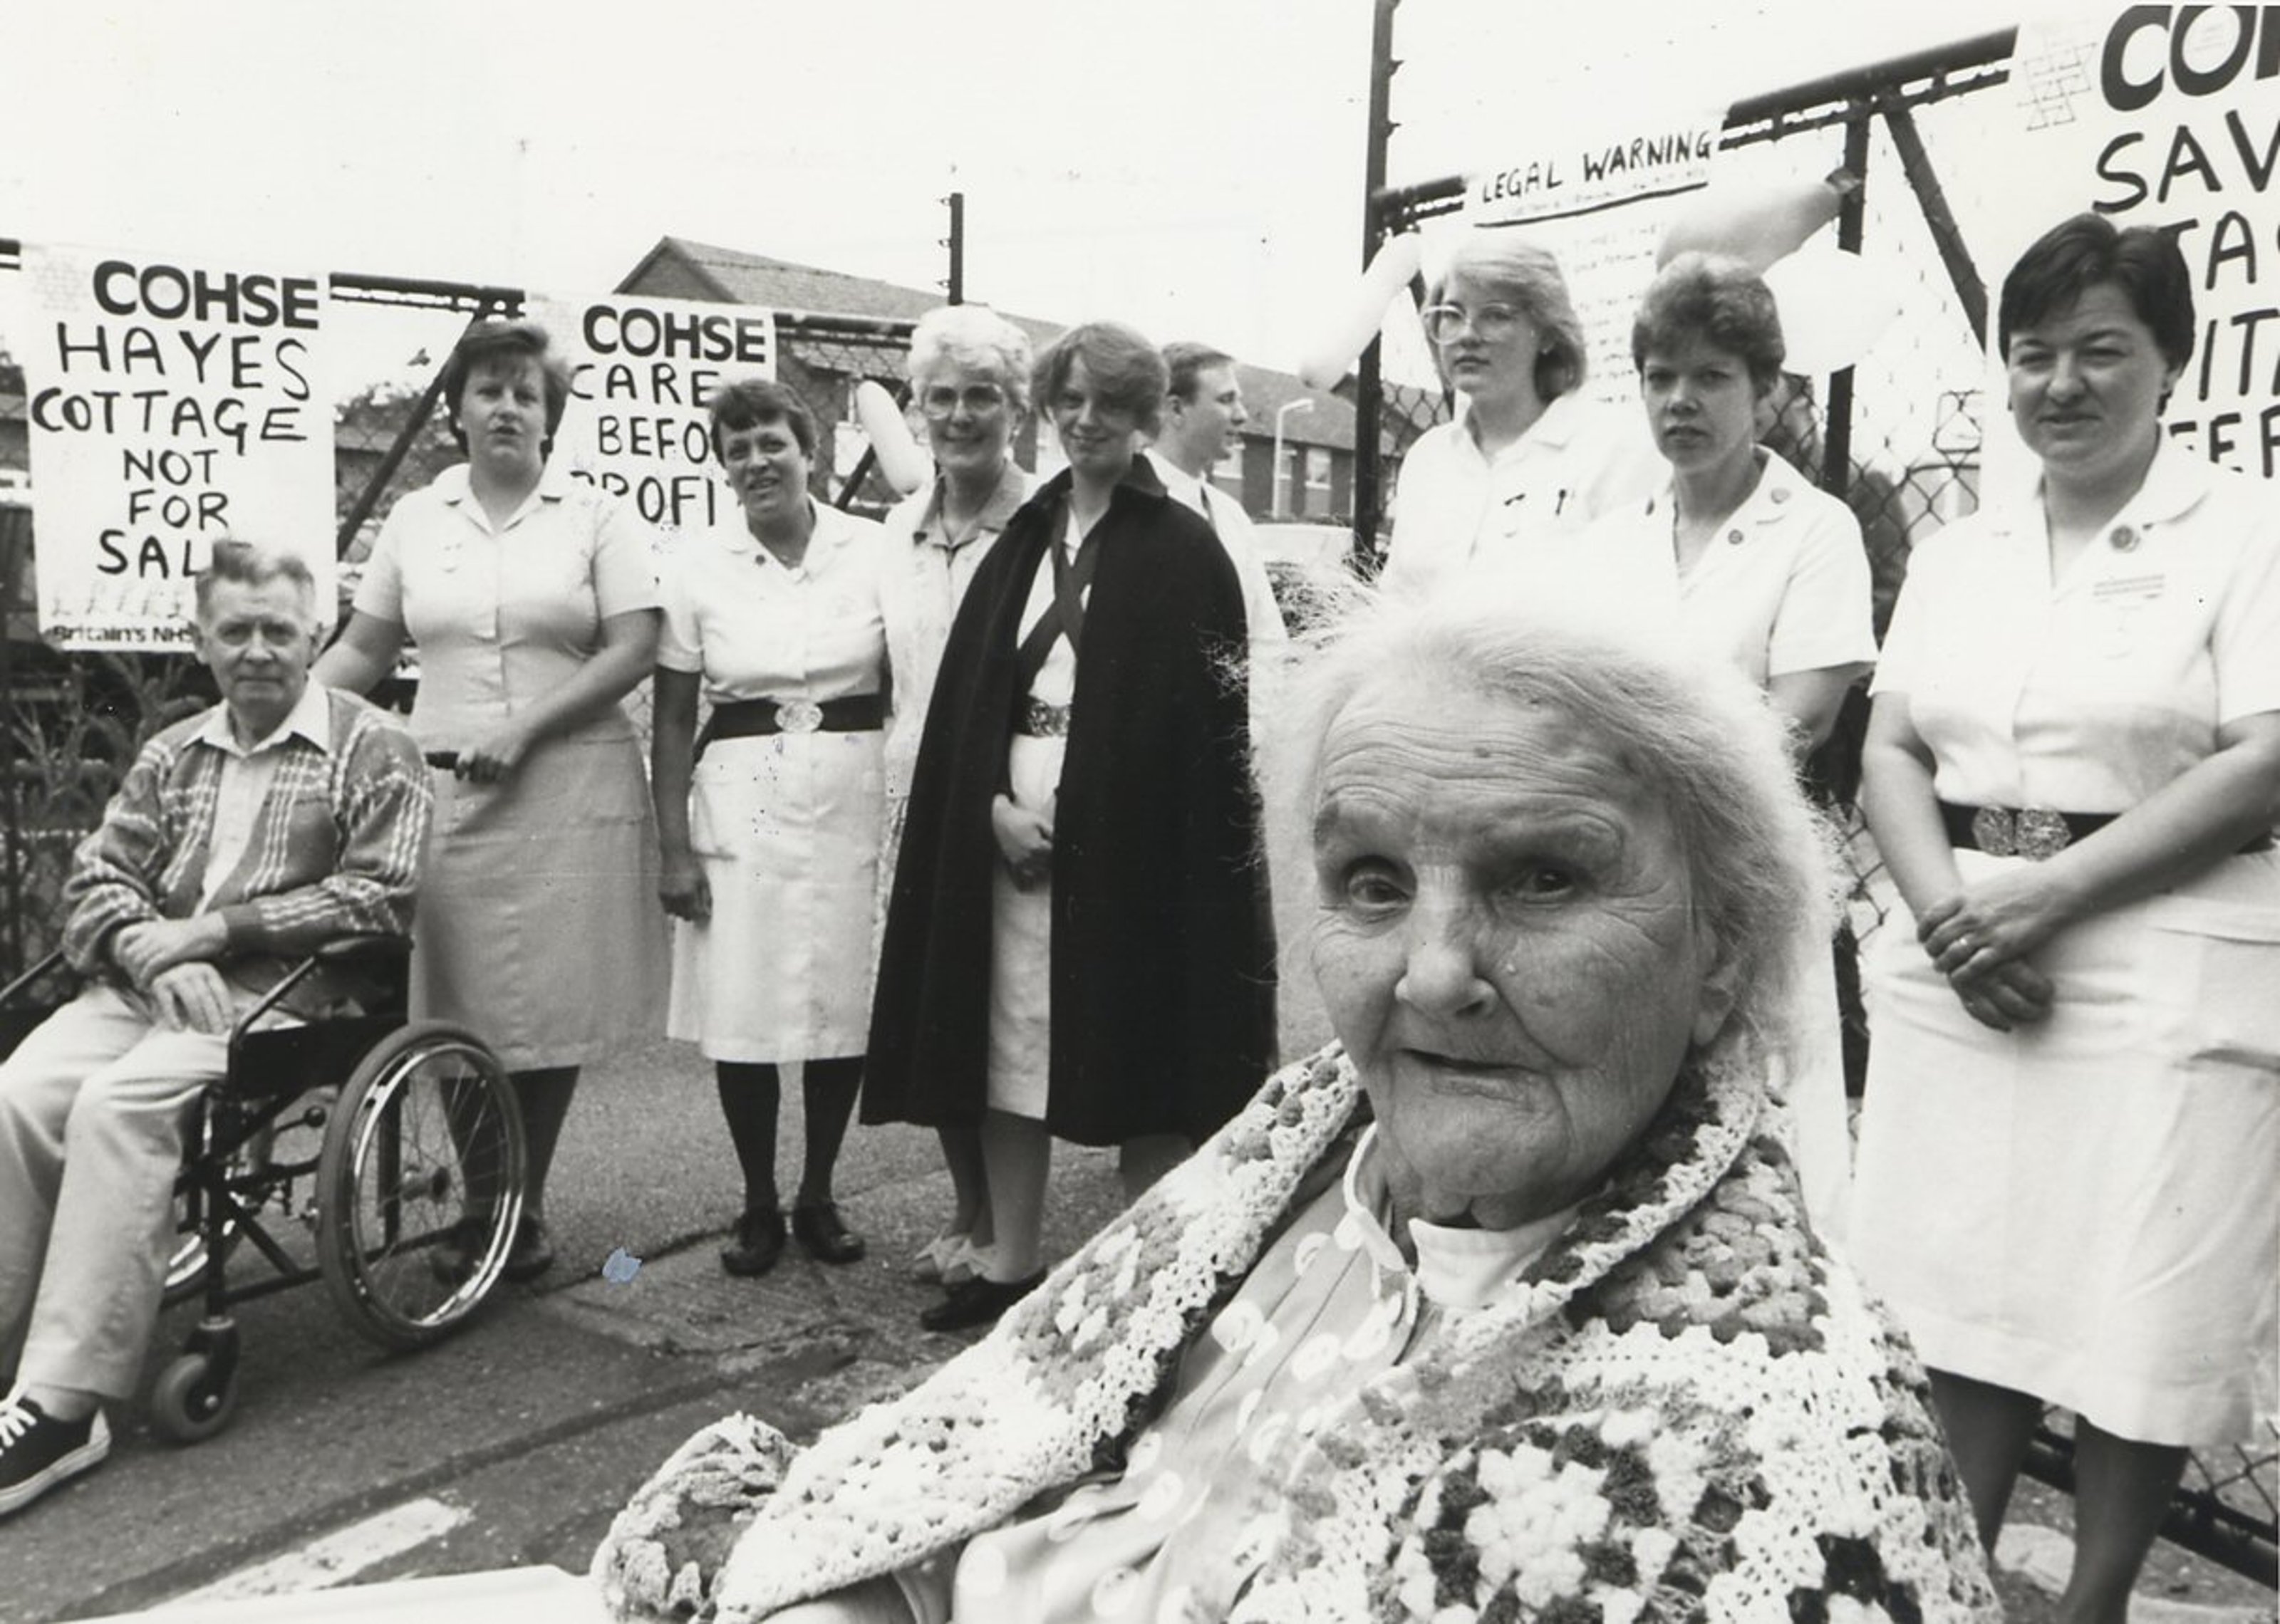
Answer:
(495, 758)
(1993, 921)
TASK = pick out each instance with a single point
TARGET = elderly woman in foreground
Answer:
(1500, 1308)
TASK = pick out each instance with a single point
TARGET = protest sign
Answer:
(2169, 116)
(642, 372)
(171, 405)
(1598, 203)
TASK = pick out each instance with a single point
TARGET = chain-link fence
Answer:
(71, 723)
(1897, 436)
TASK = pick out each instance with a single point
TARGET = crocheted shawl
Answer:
(1684, 1409)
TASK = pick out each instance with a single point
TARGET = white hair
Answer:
(1695, 733)
(976, 338)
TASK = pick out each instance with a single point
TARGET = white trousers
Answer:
(93, 1105)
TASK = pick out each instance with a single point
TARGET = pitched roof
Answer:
(684, 268)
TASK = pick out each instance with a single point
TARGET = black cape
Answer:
(1163, 950)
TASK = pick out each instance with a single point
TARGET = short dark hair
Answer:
(747, 403)
(2077, 254)
(251, 564)
(1125, 368)
(490, 340)
(1185, 361)
(1719, 301)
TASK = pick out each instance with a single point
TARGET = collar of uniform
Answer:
(2174, 483)
(456, 488)
(1772, 499)
(311, 717)
(825, 536)
(1012, 491)
(1560, 422)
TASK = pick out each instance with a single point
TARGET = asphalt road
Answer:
(514, 1441)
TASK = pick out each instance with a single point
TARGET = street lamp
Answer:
(1282, 412)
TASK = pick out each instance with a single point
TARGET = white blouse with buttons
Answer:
(2089, 692)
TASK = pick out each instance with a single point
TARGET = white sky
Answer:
(1192, 165)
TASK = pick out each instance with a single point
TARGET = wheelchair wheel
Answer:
(425, 1148)
(191, 1401)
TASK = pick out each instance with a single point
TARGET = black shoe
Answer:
(759, 1242)
(533, 1252)
(825, 1239)
(978, 1302)
(451, 1259)
(37, 1452)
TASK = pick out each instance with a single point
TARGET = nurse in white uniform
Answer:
(1527, 463)
(2066, 1161)
(1771, 577)
(770, 820)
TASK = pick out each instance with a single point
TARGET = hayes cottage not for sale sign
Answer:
(171, 404)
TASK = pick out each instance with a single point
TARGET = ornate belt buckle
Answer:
(799, 716)
(2042, 834)
(1993, 832)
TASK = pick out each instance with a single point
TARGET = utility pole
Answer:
(955, 243)
(1368, 488)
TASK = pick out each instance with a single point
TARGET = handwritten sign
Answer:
(1598, 202)
(642, 371)
(172, 405)
(2169, 117)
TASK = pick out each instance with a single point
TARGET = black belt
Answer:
(2035, 832)
(749, 719)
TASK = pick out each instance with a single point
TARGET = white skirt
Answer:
(2087, 1209)
(1022, 952)
(786, 828)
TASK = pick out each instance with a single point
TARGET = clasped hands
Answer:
(171, 960)
(1979, 938)
(1025, 839)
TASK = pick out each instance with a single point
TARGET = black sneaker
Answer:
(37, 1452)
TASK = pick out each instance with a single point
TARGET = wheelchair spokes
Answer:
(425, 1151)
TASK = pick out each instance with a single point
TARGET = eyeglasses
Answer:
(1489, 323)
(980, 400)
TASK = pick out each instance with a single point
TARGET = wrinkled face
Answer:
(1098, 436)
(2086, 386)
(503, 413)
(258, 642)
(768, 472)
(1210, 426)
(1505, 941)
(1700, 403)
(969, 419)
(1487, 341)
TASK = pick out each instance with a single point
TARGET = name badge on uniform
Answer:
(2122, 603)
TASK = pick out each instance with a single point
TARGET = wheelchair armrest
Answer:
(373, 947)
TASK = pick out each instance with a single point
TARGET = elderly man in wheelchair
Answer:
(241, 840)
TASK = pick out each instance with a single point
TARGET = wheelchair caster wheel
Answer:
(192, 1401)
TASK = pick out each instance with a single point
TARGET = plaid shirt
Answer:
(334, 851)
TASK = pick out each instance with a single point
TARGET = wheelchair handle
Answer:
(443, 760)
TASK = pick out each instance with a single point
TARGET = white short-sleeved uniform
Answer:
(2085, 1209)
(538, 925)
(1455, 510)
(786, 826)
(1784, 587)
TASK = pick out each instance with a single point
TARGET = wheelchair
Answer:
(343, 1150)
